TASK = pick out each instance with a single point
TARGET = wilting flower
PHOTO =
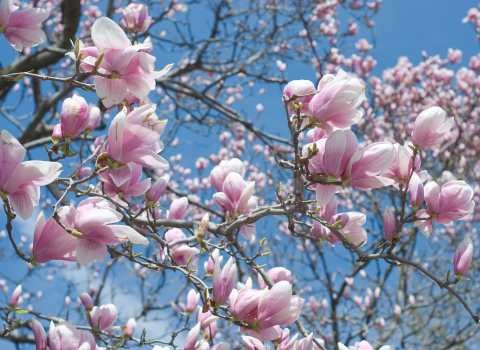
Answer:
(21, 182)
(430, 127)
(22, 27)
(463, 256)
(454, 202)
(335, 106)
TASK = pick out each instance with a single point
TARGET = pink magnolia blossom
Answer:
(158, 188)
(66, 337)
(74, 116)
(130, 70)
(192, 337)
(94, 117)
(57, 133)
(363, 45)
(209, 265)
(454, 56)
(277, 274)
(86, 301)
(91, 223)
(299, 87)
(129, 328)
(39, 334)
(51, 241)
(208, 322)
(192, 301)
(237, 199)
(253, 343)
(131, 188)
(271, 308)
(182, 253)
(415, 188)
(389, 224)
(21, 182)
(102, 317)
(401, 167)
(135, 18)
(430, 127)
(363, 345)
(135, 137)
(285, 342)
(463, 257)
(15, 296)
(336, 103)
(454, 202)
(178, 209)
(223, 281)
(221, 346)
(220, 172)
(22, 27)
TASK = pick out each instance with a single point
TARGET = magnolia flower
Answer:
(51, 241)
(65, 337)
(135, 18)
(131, 187)
(103, 317)
(178, 209)
(253, 343)
(454, 202)
(90, 224)
(57, 133)
(223, 281)
(209, 265)
(23, 27)
(182, 253)
(129, 328)
(158, 188)
(21, 182)
(220, 172)
(39, 334)
(15, 297)
(129, 70)
(454, 56)
(401, 167)
(208, 322)
(335, 104)
(94, 117)
(463, 257)
(415, 188)
(270, 308)
(86, 301)
(389, 224)
(277, 274)
(134, 137)
(74, 116)
(430, 127)
(237, 199)
(299, 87)
(192, 337)
(192, 301)
(285, 342)
(363, 345)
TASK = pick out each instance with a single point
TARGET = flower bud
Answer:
(94, 117)
(135, 18)
(463, 257)
(86, 301)
(178, 209)
(389, 224)
(192, 301)
(158, 188)
(57, 133)
(415, 187)
(129, 328)
(430, 127)
(203, 227)
(39, 334)
(74, 116)
(15, 296)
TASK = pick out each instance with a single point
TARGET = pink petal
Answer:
(107, 35)
(89, 250)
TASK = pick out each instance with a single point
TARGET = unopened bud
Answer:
(203, 227)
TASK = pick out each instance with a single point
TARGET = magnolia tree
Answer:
(348, 222)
